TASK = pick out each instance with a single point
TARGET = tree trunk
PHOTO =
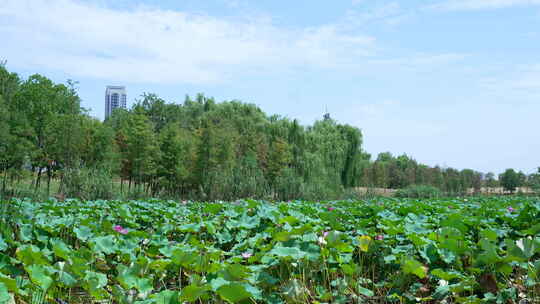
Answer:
(38, 178)
(49, 176)
(148, 185)
(61, 187)
(33, 180)
(4, 182)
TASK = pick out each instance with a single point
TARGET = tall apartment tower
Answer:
(115, 97)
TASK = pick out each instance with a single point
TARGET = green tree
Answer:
(9, 83)
(510, 180)
(216, 155)
(178, 158)
(41, 103)
(201, 148)
(142, 150)
(452, 183)
(534, 180)
(6, 138)
(14, 130)
(279, 159)
(490, 181)
(155, 109)
(353, 139)
(98, 147)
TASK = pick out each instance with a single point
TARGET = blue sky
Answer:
(450, 82)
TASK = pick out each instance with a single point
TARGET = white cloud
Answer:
(482, 4)
(420, 61)
(389, 13)
(358, 2)
(163, 46)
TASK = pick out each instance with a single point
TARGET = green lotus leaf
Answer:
(11, 284)
(105, 244)
(41, 276)
(412, 266)
(166, 297)
(234, 292)
(365, 292)
(3, 244)
(192, 292)
(30, 255)
(5, 296)
(290, 252)
(60, 249)
(83, 233)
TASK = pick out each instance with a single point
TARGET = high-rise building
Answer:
(115, 97)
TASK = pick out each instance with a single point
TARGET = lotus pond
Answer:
(484, 250)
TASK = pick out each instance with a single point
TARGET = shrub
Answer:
(357, 195)
(418, 191)
(88, 184)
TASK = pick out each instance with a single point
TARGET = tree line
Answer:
(198, 149)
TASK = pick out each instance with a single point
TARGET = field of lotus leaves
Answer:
(483, 250)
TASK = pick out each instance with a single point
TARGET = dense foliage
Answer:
(197, 149)
(418, 191)
(390, 250)
(511, 179)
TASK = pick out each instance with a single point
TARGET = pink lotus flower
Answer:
(247, 255)
(120, 230)
(379, 237)
(331, 208)
(510, 209)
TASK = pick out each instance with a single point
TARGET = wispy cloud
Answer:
(454, 5)
(152, 45)
(155, 45)
(528, 79)
(421, 61)
(390, 13)
(518, 84)
(357, 2)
